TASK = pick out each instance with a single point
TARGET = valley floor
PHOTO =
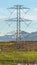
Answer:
(18, 53)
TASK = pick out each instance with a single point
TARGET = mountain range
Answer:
(24, 36)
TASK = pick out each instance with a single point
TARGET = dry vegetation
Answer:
(20, 46)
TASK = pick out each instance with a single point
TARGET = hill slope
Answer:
(24, 36)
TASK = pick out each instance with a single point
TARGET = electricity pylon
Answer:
(18, 18)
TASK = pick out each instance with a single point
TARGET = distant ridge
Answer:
(24, 36)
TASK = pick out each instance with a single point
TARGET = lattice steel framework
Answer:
(18, 19)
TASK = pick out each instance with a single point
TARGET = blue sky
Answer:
(28, 3)
(32, 14)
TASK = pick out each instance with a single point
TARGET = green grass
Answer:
(18, 55)
(7, 63)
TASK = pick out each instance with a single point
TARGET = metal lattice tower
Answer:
(18, 19)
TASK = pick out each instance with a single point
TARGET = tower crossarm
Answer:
(23, 20)
(11, 19)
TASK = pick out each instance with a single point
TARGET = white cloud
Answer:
(35, 9)
(3, 17)
(2, 34)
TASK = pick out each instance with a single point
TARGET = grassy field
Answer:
(18, 56)
(8, 57)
